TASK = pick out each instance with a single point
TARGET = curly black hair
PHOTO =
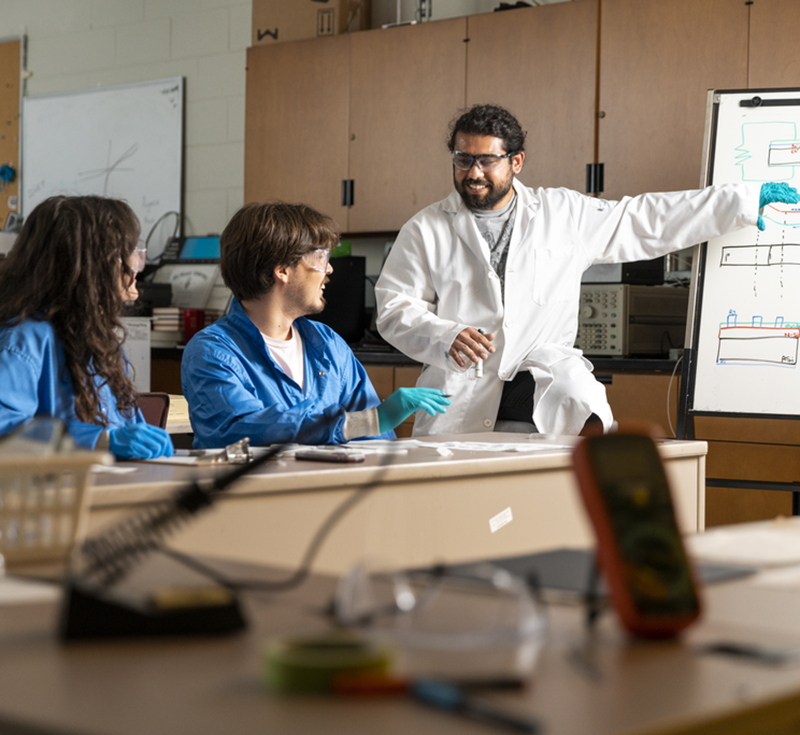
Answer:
(489, 120)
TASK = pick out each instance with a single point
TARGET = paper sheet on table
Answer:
(374, 446)
(770, 544)
(16, 591)
(785, 577)
(529, 446)
(112, 469)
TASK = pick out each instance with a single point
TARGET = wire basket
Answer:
(43, 505)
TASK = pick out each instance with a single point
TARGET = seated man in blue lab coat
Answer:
(492, 273)
(266, 372)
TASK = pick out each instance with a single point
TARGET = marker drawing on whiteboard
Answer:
(110, 168)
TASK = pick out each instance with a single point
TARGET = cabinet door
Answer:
(657, 61)
(650, 398)
(382, 379)
(407, 83)
(296, 123)
(524, 61)
(774, 51)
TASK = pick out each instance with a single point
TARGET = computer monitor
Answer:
(199, 248)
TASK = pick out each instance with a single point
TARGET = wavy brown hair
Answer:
(68, 267)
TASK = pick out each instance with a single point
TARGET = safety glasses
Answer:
(485, 162)
(318, 259)
(138, 257)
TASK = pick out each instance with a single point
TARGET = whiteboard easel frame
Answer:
(686, 410)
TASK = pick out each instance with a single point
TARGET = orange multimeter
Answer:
(639, 546)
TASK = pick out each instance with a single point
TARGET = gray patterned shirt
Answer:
(496, 226)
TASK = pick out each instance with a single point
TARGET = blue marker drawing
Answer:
(758, 343)
(757, 159)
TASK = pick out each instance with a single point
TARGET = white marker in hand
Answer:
(479, 364)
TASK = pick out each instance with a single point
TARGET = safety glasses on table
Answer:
(318, 259)
(484, 161)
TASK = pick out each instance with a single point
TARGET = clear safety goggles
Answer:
(318, 259)
(138, 257)
(485, 161)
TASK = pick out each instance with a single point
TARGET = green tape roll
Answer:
(310, 664)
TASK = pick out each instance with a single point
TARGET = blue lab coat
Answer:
(34, 382)
(235, 389)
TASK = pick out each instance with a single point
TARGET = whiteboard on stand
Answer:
(124, 142)
(747, 310)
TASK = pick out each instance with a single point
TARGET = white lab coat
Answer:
(438, 280)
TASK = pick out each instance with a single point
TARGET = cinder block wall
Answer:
(80, 44)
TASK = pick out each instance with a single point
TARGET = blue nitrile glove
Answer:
(775, 192)
(139, 441)
(405, 401)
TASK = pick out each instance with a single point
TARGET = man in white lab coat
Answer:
(483, 287)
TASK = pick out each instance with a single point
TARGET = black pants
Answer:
(517, 401)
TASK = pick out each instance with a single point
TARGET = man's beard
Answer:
(482, 201)
(301, 304)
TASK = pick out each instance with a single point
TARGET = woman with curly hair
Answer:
(62, 288)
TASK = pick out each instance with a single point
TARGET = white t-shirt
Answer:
(288, 353)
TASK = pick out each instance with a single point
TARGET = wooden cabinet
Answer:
(650, 397)
(388, 378)
(374, 107)
(526, 60)
(644, 396)
(382, 379)
(360, 107)
(774, 51)
(658, 58)
(406, 85)
(757, 451)
(296, 123)
(165, 372)
(622, 82)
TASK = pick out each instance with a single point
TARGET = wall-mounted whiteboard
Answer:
(123, 142)
(747, 336)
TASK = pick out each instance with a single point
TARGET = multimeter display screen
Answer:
(637, 497)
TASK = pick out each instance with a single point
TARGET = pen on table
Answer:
(454, 698)
(357, 684)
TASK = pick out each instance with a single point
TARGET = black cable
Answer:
(110, 555)
(296, 578)
(139, 548)
(153, 229)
